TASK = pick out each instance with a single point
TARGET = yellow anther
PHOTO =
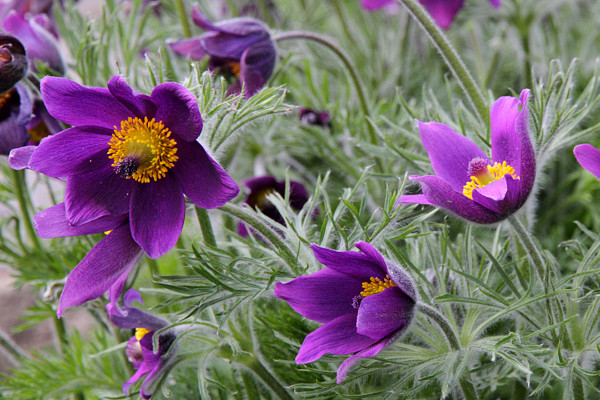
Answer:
(493, 173)
(140, 333)
(145, 146)
(376, 285)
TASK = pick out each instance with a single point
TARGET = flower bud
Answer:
(13, 62)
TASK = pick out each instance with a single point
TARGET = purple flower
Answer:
(239, 47)
(262, 186)
(130, 154)
(38, 40)
(364, 301)
(466, 182)
(105, 267)
(442, 11)
(153, 363)
(16, 107)
(588, 157)
(313, 117)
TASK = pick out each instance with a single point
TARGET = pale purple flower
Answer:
(150, 364)
(466, 181)
(239, 47)
(588, 157)
(364, 301)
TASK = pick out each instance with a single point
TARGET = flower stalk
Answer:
(345, 59)
(254, 365)
(206, 226)
(530, 247)
(20, 187)
(451, 57)
(183, 18)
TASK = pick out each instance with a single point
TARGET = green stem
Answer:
(451, 57)
(13, 350)
(263, 373)
(530, 247)
(338, 11)
(345, 59)
(61, 333)
(578, 391)
(206, 227)
(183, 18)
(20, 187)
(264, 230)
(433, 314)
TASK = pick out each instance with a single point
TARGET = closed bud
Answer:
(13, 62)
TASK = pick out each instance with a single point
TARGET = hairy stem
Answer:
(530, 247)
(20, 188)
(183, 18)
(206, 227)
(451, 57)
(345, 59)
(263, 373)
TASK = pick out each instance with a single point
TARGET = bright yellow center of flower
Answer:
(482, 175)
(140, 333)
(376, 285)
(5, 97)
(235, 68)
(142, 150)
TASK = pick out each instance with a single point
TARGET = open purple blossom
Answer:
(238, 47)
(588, 157)
(130, 154)
(466, 181)
(364, 301)
(262, 186)
(34, 33)
(443, 12)
(105, 267)
(149, 363)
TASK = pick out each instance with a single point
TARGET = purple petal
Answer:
(589, 158)
(157, 214)
(413, 199)
(322, 296)
(178, 111)
(97, 192)
(500, 196)
(528, 163)
(351, 263)
(111, 258)
(52, 222)
(370, 351)
(506, 143)
(449, 152)
(71, 151)
(495, 3)
(12, 135)
(77, 105)
(191, 48)
(142, 370)
(232, 26)
(19, 157)
(256, 66)
(372, 252)
(382, 314)
(439, 193)
(140, 105)
(372, 5)
(203, 181)
(443, 11)
(132, 318)
(335, 337)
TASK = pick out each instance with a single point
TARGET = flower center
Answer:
(5, 97)
(235, 68)
(376, 285)
(38, 132)
(140, 333)
(483, 174)
(142, 150)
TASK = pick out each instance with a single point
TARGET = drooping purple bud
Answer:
(13, 62)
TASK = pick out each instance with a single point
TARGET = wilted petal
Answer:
(322, 296)
(338, 336)
(449, 152)
(111, 258)
(589, 158)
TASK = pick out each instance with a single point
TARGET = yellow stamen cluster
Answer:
(140, 333)
(235, 68)
(5, 97)
(38, 132)
(146, 142)
(376, 285)
(493, 173)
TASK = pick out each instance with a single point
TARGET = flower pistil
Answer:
(482, 174)
(142, 149)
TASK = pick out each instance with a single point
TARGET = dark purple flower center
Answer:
(356, 300)
(142, 150)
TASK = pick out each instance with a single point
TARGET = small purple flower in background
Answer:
(130, 154)
(139, 349)
(262, 186)
(39, 41)
(442, 11)
(239, 47)
(588, 157)
(364, 301)
(313, 117)
(466, 182)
